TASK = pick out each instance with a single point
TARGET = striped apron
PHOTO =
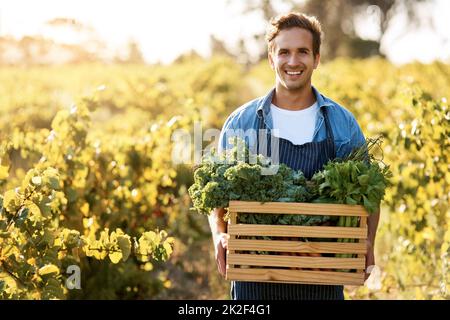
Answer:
(309, 158)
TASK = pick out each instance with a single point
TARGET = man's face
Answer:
(292, 58)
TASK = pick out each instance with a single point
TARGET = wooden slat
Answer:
(296, 231)
(295, 276)
(292, 246)
(232, 221)
(363, 223)
(298, 246)
(295, 262)
(298, 208)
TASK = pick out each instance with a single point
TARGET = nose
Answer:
(294, 60)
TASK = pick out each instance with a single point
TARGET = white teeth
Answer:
(294, 73)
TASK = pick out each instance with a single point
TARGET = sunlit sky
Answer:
(166, 28)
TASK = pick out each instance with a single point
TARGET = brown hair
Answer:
(291, 20)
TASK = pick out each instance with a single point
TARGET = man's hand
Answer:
(370, 259)
(221, 250)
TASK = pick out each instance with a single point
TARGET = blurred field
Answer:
(113, 152)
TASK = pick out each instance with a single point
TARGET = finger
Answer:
(224, 240)
(221, 262)
(224, 243)
(368, 271)
(223, 268)
(220, 268)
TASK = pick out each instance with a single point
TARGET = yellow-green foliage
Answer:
(62, 210)
(92, 183)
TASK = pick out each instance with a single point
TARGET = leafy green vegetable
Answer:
(359, 179)
(236, 174)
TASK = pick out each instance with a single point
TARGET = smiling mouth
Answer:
(294, 73)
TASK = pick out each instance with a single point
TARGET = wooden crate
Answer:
(289, 259)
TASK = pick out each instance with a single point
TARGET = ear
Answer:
(269, 56)
(316, 60)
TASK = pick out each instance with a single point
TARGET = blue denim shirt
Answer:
(347, 133)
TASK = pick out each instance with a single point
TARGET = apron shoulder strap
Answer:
(329, 130)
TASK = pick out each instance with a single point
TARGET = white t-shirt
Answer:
(296, 126)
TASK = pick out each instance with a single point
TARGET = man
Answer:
(310, 130)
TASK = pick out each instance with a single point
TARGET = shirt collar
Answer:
(264, 104)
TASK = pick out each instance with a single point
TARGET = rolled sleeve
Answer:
(228, 131)
(357, 138)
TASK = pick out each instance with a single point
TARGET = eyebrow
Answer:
(299, 49)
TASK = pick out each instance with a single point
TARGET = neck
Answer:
(299, 99)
